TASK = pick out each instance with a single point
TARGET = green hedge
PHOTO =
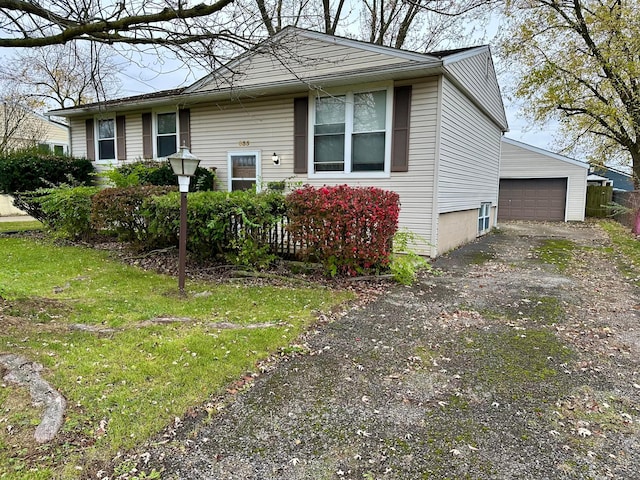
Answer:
(230, 223)
(29, 170)
(157, 173)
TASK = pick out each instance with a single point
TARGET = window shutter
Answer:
(184, 119)
(121, 138)
(300, 122)
(91, 139)
(147, 136)
(400, 139)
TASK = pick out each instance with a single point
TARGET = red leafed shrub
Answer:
(348, 229)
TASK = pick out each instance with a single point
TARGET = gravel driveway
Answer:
(502, 367)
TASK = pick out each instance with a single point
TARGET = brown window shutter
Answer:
(147, 136)
(184, 119)
(121, 138)
(91, 139)
(400, 138)
(300, 122)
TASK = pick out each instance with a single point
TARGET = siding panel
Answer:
(477, 75)
(468, 170)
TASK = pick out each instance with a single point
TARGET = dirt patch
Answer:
(502, 367)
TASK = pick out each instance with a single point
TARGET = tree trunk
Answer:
(635, 165)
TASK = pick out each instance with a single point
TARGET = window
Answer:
(351, 133)
(58, 149)
(484, 218)
(243, 170)
(166, 134)
(107, 139)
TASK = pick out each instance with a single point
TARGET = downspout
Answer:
(435, 210)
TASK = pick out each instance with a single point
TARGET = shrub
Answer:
(67, 210)
(157, 173)
(120, 210)
(235, 224)
(28, 170)
(348, 229)
(405, 263)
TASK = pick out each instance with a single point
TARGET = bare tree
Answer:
(29, 23)
(61, 76)
(20, 127)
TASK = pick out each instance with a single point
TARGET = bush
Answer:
(66, 210)
(157, 173)
(348, 229)
(29, 170)
(120, 210)
(235, 224)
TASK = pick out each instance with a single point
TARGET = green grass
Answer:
(20, 226)
(626, 246)
(137, 377)
(557, 252)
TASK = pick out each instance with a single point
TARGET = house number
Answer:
(244, 143)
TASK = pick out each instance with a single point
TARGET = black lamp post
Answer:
(184, 165)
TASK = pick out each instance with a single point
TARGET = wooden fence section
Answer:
(276, 236)
(598, 200)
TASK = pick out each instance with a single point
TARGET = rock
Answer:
(23, 372)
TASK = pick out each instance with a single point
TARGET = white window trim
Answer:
(230, 178)
(96, 134)
(347, 174)
(483, 217)
(154, 129)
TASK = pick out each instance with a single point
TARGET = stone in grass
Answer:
(23, 372)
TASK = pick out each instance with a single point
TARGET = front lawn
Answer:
(127, 352)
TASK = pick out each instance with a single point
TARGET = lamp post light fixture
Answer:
(184, 165)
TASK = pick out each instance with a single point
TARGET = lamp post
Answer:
(184, 165)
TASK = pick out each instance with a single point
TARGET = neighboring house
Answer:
(536, 184)
(21, 128)
(334, 111)
(620, 180)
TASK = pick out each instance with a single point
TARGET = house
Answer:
(621, 181)
(329, 110)
(536, 184)
(21, 127)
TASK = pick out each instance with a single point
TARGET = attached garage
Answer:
(536, 184)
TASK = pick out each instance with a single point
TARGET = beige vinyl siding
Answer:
(469, 165)
(133, 127)
(78, 137)
(57, 134)
(476, 74)
(520, 162)
(300, 59)
(265, 126)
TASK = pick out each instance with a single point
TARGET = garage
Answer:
(536, 184)
(532, 199)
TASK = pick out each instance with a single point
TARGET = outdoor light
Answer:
(184, 165)
(275, 158)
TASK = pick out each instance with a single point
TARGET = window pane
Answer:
(369, 111)
(58, 149)
(166, 123)
(106, 128)
(329, 150)
(243, 184)
(243, 166)
(330, 110)
(166, 145)
(106, 150)
(368, 152)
